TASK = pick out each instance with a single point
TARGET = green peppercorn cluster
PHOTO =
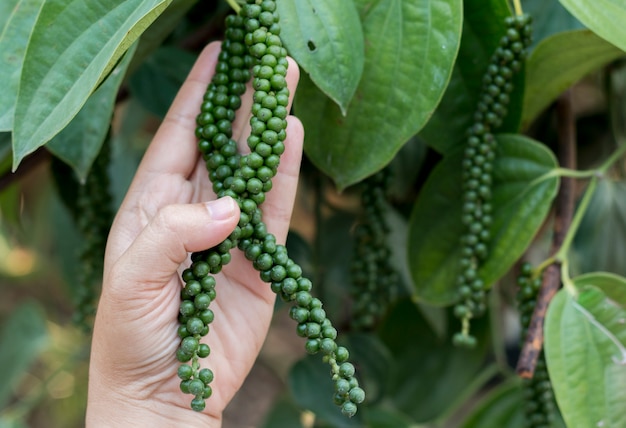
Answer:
(478, 160)
(251, 42)
(374, 280)
(94, 215)
(539, 405)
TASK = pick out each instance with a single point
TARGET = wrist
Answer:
(108, 407)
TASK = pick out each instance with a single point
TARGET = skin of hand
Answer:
(168, 212)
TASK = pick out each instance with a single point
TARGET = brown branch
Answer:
(564, 211)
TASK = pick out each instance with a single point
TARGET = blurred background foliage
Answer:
(44, 356)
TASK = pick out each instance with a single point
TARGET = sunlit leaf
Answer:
(603, 17)
(411, 46)
(326, 39)
(560, 61)
(80, 141)
(73, 47)
(520, 204)
(18, 18)
(585, 347)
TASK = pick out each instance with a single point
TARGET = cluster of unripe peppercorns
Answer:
(478, 161)
(374, 279)
(251, 48)
(93, 214)
(539, 404)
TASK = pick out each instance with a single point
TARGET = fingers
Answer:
(163, 245)
(278, 205)
(173, 149)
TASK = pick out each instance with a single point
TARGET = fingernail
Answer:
(222, 208)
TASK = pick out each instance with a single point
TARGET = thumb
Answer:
(176, 230)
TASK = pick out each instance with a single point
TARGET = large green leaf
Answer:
(483, 25)
(410, 50)
(604, 17)
(80, 141)
(520, 203)
(326, 39)
(585, 346)
(73, 47)
(429, 375)
(23, 337)
(19, 17)
(560, 61)
(600, 242)
(7, 7)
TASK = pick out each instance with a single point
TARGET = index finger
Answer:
(173, 149)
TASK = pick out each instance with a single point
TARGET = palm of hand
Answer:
(140, 311)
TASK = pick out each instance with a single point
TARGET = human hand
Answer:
(168, 212)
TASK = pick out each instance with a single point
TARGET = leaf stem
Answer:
(518, 7)
(561, 254)
(234, 5)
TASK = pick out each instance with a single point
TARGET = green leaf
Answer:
(410, 50)
(428, 375)
(326, 39)
(603, 17)
(502, 407)
(585, 347)
(19, 17)
(557, 63)
(73, 47)
(483, 25)
(520, 202)
(600, 242)
(613, 286)
(80, 141)
(7, 7)
(157, 81)
(23, 337)
(312, 389)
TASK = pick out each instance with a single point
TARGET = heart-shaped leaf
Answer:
(411, 46)
(520, 205)
(585, 347)
(557, 63)
(326, 39)
(604, 17)
(19, 17)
